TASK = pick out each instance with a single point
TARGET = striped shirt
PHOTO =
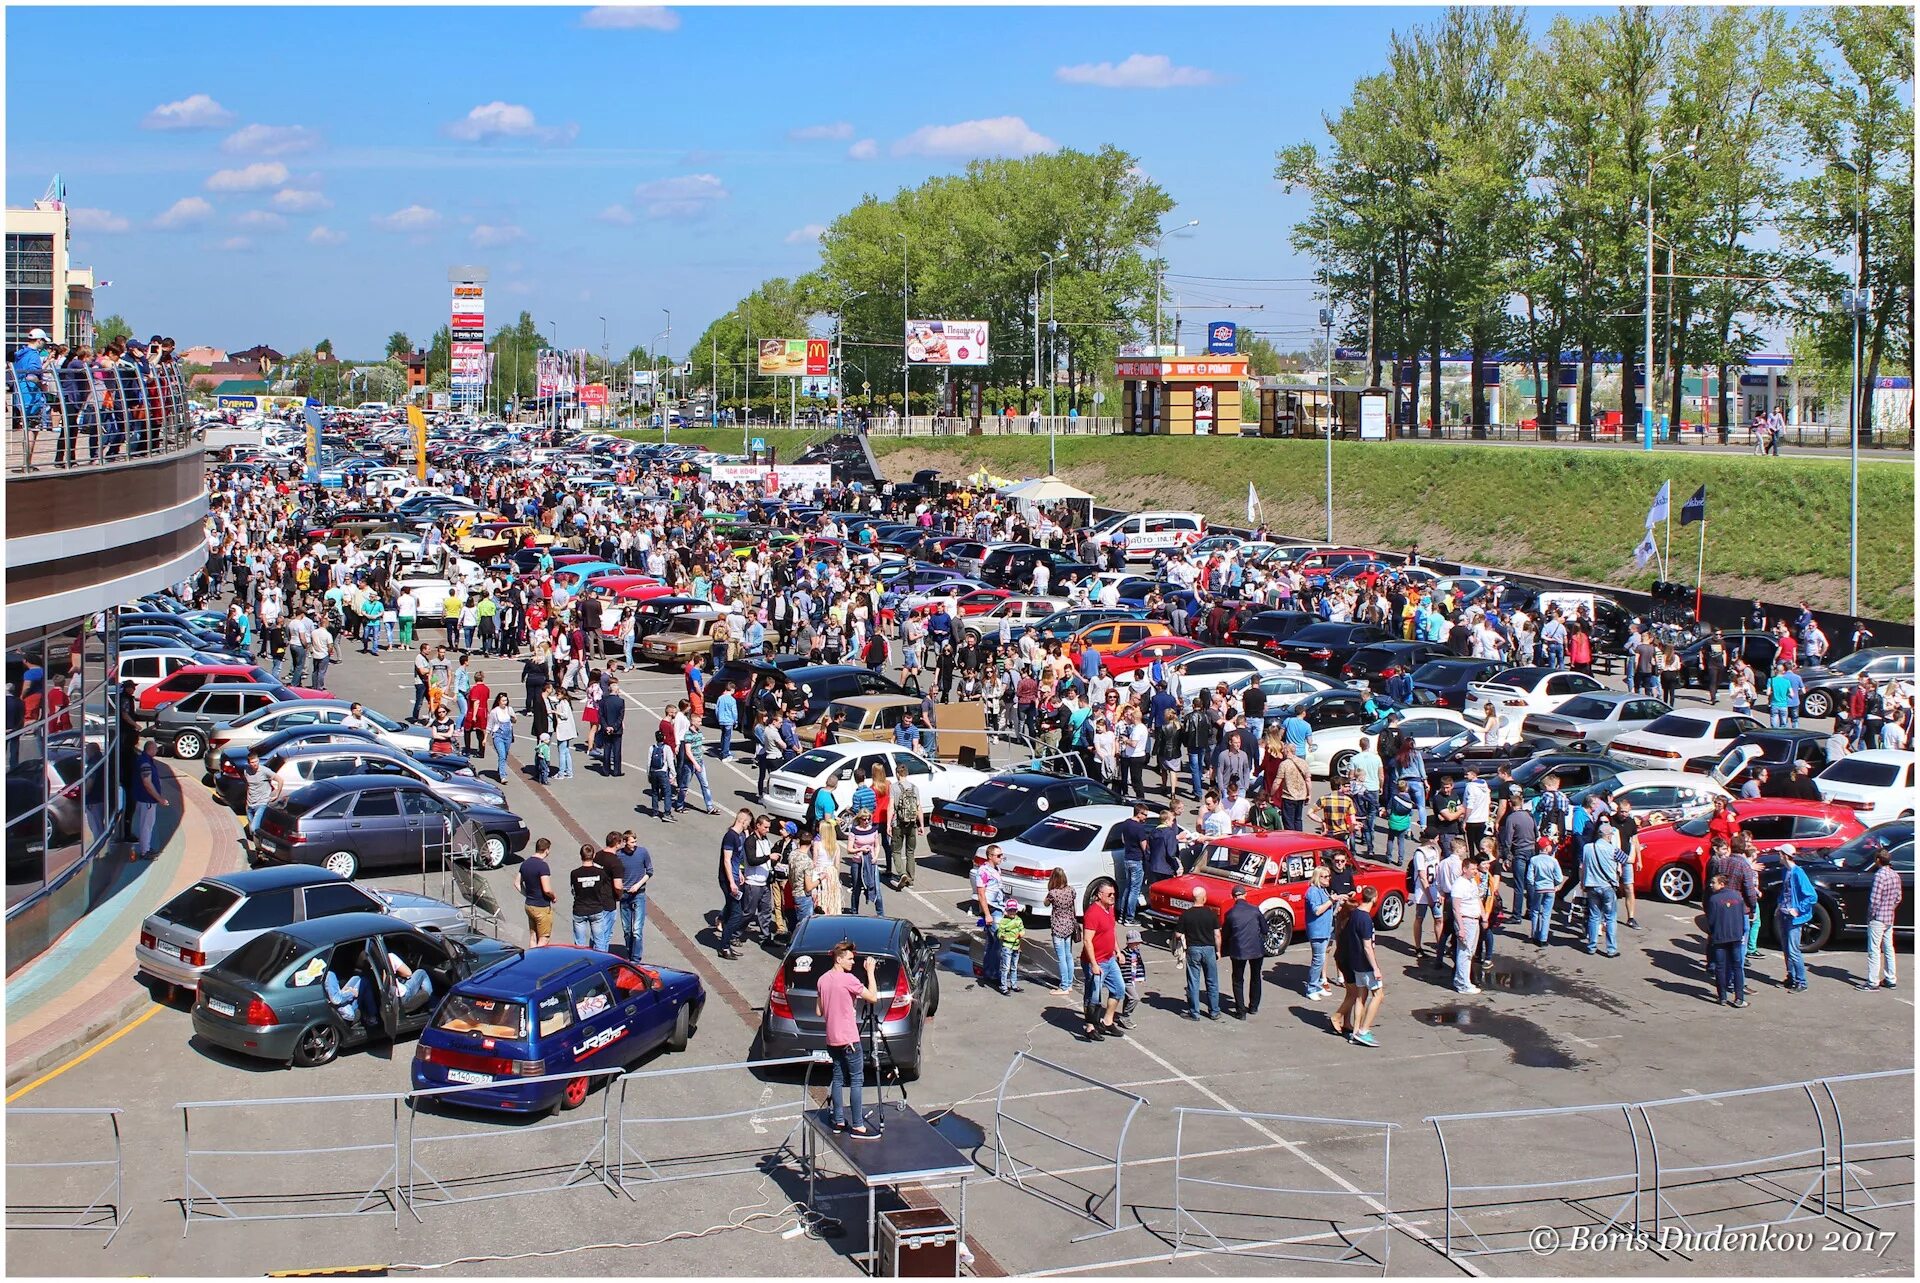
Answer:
(1885, 895)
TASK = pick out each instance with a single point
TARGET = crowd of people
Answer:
(116, 397)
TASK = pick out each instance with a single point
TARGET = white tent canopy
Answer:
(1044, 490)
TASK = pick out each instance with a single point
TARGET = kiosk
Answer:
(1181, 395)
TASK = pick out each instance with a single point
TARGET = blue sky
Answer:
(283, 174)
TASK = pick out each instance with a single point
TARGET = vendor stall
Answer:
(1181, 395)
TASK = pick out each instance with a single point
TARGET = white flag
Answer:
(1658, 513)
(1646, 550)
(1253, 503)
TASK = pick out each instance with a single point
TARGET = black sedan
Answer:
(1443, 682)
(904, 973)
(1758, 649)
(1841, 880)
(1576, 770)
(1828, 687)
(1323, 648)
(1267, 629)
(1005, 806)
(1373, 664)
(1465, 752)
(1778, 749)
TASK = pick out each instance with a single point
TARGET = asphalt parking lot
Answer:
(1556, 1028)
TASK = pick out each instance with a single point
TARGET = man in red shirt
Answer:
(1105, 985)
(837, 991)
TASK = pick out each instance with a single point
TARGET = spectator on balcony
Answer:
(29, 391)
(82, 406)
(130, 373)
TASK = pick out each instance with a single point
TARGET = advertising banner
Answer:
(821, 387)
(418, 422)
(798, 474)
(783, 356)
(819, 356)
(1203, 408)
(1222, 337)
(593, 394)
(947, 342)
(1373, 417)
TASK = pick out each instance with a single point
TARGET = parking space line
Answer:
(1192, 1252)
(89, 1053)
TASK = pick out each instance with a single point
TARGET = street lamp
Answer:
(1858, 302)
(1646, 406)
(606, 354)
(714, 400)
(906, 367)
(1160, 276)
(1053, 365)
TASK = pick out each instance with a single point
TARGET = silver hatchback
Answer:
(216, 915)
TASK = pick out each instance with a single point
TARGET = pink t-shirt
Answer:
(837, 991)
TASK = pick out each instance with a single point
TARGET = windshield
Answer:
(1454, 743)
(1322, 633)
(1694, 828)
(1850, 770)
(813, 763)
(1060, 835)
(1896, 837)
(1853, 663)
(1675, 726)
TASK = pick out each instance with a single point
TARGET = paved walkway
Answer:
(83, 988)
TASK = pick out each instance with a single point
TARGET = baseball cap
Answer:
(37, 334)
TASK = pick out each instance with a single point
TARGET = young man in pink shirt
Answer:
(837, 991)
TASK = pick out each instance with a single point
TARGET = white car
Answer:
(1329, 751)
(1671, 795)
(1519, 691)
(789, 787)
(1201, 670)
(1149, 533)
(1667, 742)
(1283, 690)
(1077, 839)
(1876, 784)
(274, 718)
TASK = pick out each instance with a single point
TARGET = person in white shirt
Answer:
(1110, 594)
(1445, 874)
(1464, 898)
(1477, 799)
(1426, 895)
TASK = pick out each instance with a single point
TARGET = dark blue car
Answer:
(552, 1010)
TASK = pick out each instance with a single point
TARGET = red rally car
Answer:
(1275, 868)
(1673, 857)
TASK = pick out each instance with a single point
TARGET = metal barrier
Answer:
(386, 1186)
(121, 415)
(109, 1201)
(1562, 1189)
(768, 1156)
(1737, 1169)
(595, 1165)
(1847, 1154)
(1009, 1168)
(1348, 1251)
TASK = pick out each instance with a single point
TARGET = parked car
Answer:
(870, 719)
(1266, 629)
(1667, 742)
(1373, 664)
(1827, 687)
(1275, 869)
(186, 726)
(790, 786)
(684, 637)
(1201, 670)
(298, 765)
(374, 821)
(1015, 612)
(1142, 654)
(198, 928)
(268, 998)
(1842, 879)
(1778, 749)
(1005, 805)
(1517, 692)
(1758, 649)
(1597, 718)
(263, 724)
(552, 1010)
(1111, 636)
(1079, 840)
(1325, 647)
(1876, 784)
(184, 681)
(1670, 795)
(1673, 857)
(905, 975)
(1446, 683)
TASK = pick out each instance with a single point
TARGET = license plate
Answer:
(956, 826)
(1181, 904)
(468, 1076)
(222, 1008)
(172, 951)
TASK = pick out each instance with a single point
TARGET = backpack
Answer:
(657, 760)
(876, 649)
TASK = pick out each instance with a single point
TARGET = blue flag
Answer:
(1694, 509)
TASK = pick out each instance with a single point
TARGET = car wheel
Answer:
(682, 1030)
(1392, 911)
(574, 1094)
(1276, 931)
(344, 863)
(495, 851)
(1092, 892)
(1817, 704)
(189, 744)
(1337, 768)
(1818, 933)
(1676, 883)
(317, 1045)
(933, 995)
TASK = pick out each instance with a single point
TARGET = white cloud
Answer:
(489, 234)
(618, 215)
(997, 136)
(630, 17)
(186, 210)
(270, 140)
(260, 219)
(250, 178)
(839, 131)
(687, 196)
(297, 201)
(196, 111)
(494, 120)
(324, 235)
(233, 243)
(1138, 71)
(865, 149)
(96, 220)
(806, 235)
(414, 218)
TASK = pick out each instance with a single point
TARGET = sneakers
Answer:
(1738, 1002)
(1468, 989)
(1363, 1039)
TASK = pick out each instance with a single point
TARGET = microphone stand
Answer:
(878, 1039)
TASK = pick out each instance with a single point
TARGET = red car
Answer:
(1275, 868)
(1322, 561)
(184, 681)
(1673, 857)
(1143, 652)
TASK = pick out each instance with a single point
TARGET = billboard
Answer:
(1222, 337)
(947, 342)
(783, 356)
(821, 387)
(467, 327)
(593, 394)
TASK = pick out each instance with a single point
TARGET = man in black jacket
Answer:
(589, 610)
(1243, 935)
(613, 728)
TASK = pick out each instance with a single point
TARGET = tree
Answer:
(324, 345)
(109, 328)
(398, 344)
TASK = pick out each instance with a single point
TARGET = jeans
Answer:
(1540, 912)
(990, 956)
(1729, 969)
(1880, 952)
(1789, 937)
(633, 923)
(1366, 805)
(1009, 966)
(1130, 896)
(255, 814)
(1779, 715)
(866, 878)
(1602, 906)
(726, 743)
(692, 770)
(1417, 790)
(1463, 952)
(1293, 813)
(1399, 845)
(593, 930)
(849, 1075)
(1317, 967)
(370, 637)
(1063, 958)
(502, 745)
(1197, 769)
(563, 755)
(296, 666)
(660, 796)
(320, 663)
(419, 699)
(466, 636)
(1203, 961)
(802, 910)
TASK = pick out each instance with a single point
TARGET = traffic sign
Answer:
(759, 443)
(866, 387)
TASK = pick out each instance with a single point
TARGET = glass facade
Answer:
(29, 285)
(64, 756)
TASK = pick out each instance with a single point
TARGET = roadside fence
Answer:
(654, 1148)
(50, 1207)
(1008, 1166)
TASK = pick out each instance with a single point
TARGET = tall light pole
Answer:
(1160, 276)
(906, 367)
(714, 400)
(666, 354)
(839, 364)
(1326, 320)
(1858, 301)
(1646, 405)
(1053, 365)
(606, 354)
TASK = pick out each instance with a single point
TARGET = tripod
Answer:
(877, 1040)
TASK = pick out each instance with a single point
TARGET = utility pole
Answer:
(1053, 369)
(906, 367)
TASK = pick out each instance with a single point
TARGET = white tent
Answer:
(1044, 490)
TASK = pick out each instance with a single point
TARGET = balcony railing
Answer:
(96, 416)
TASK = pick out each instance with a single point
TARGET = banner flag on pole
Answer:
(1646, 550)
(1694, 509)
(1658, 512)
(1253, 503)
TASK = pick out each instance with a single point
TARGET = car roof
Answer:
(1099, 813)
(272, 877)
(534, 971)
(1606, 697)
(1635, 779)
(1896, 756)
(1277, 842)
(341, 926)
(321, 790)
(379, 746)
(877, 701)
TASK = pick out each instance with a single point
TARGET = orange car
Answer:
(1111, 636)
